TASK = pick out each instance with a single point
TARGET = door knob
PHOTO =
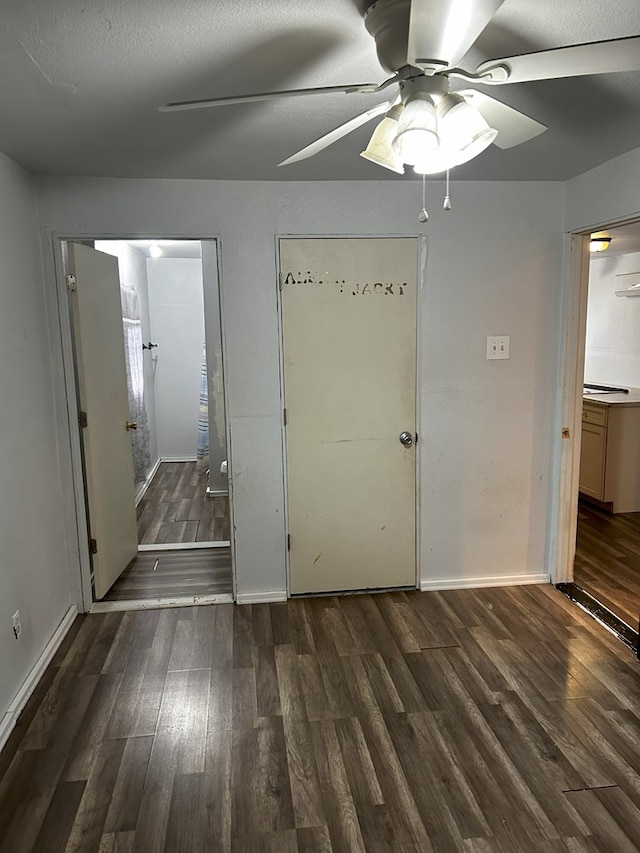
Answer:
(406, 438)
(132, 425)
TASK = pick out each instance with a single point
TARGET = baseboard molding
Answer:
(8, 722)
(178, 459)
(159, 603)
(478, 583)
(184, 546)
(217, 493)
(261, 597)
(144, 487)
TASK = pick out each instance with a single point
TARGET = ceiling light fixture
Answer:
(433, 130)
(599, 243)
(155, 251)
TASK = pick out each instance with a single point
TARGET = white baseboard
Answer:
(217, 493)
(178, 459)
(158, 603)
(184, 546)
(261, 597)
(8, 722)
(143, 488)
(478, 583)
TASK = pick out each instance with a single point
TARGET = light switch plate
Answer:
(498, 346)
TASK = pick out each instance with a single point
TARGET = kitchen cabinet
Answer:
(610, 455)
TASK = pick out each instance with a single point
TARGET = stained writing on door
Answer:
(386, 288)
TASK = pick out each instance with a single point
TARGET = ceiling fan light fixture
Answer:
(417, 129)
(599, 243)
(380, 149)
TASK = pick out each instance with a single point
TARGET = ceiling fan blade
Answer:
(441, 33)
(357, 88)
(334, 135)
(513, 127)
(599, 57)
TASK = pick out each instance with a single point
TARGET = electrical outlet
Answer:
(498, 347)
(17, 627)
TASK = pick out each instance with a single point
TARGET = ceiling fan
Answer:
(428, 126)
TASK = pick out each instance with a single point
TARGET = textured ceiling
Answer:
(82, 80)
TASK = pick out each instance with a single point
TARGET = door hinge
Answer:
(72, 284)
(284, 415)
(280, 282)
(566, 432)
(288, 541)
(82, 420)
(93, 546)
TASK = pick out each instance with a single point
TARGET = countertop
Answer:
(617, 400)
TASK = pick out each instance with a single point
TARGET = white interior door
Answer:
(349, 347)
(102, 388)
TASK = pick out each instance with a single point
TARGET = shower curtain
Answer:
(202, 448)
(140, 439)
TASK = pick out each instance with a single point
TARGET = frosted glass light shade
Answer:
(380, 149)
(462, 129)
(417, 130)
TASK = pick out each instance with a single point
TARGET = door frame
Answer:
(421, 265)
(564, 504)
(70, 462)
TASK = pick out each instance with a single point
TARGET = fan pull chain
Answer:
(423, 216)
(447, 199)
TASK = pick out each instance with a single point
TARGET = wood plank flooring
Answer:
(169, 574)
(607, 563)
(176, 508)
(468, 721)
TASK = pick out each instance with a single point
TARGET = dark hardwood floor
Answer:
(607, 563)
(176, 509)
(466, 721)
(171, 574)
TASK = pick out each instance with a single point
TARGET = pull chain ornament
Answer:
(447, 199)
(423, 216)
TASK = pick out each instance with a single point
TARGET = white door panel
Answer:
(103, 396)
(349, 332)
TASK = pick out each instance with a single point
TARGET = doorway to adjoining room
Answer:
(175, 389)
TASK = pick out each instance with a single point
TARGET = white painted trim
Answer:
(8, 722)
(478, 583)
(217, 493)
(184, 546)
(261, 597)
(178, 459)
(144, 487)
(159, 603)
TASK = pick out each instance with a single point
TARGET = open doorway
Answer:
(606, 567)
(170, 325)
(176, 394)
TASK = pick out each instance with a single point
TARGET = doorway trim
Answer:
(421, 265)
(71, 467)
(574, 332)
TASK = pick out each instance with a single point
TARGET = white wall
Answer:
(609, 193)
(133, 273)
(494, 267)
(177, 327)
(33, 556)
(612, 350)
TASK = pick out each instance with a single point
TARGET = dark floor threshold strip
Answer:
(628, 636)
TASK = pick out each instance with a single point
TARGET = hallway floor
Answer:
(176, 509)
(173, 574)
(466, 721)
(607, 563)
